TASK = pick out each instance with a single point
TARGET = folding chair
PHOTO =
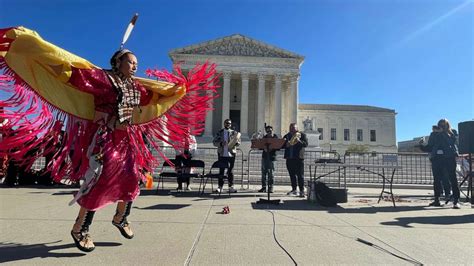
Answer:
(214, 173)
(167, 170)
(199, 168)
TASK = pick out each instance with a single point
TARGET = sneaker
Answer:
(188, 189)
(456, 205)
(435, 203)
(263, 190)
(232, 190)
(218, 190)
(270, 190)
(301, 195)
(292, 193)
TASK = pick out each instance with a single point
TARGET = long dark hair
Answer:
(444, 125)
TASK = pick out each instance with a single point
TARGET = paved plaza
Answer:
(189, 229)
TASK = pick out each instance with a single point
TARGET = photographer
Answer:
(443, 152)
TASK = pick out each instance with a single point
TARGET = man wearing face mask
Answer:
(227, 140)
(268, 159)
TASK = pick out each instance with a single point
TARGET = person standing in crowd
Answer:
(296, 142)
(183, 157)
(443, 152)
(227, 140)
(268, 159)
(439, 178)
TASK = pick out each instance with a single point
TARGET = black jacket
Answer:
(296, 151)
(441, 144)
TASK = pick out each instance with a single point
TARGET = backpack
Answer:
(324, 195)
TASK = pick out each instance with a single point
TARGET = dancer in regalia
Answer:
(106, 116)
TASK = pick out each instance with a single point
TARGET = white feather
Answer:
(129, 29)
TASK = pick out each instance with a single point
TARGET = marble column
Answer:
(294, 99)
(261, 102)
(277, 109)
(226, 96)
(209, 124)
(244, 107)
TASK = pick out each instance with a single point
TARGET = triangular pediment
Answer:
(236, 45)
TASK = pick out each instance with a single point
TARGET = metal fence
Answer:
(209, 156)
(415, 167)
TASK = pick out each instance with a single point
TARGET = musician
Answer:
(295, 144)
(268, 159)
(226, 141)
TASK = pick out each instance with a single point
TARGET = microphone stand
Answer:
(268, 200)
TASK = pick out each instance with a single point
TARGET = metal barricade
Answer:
(281, 177)
(415, 167)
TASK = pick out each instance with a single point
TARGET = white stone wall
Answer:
(382, 122)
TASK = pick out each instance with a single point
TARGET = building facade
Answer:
(259, 85)
(259, 82)
(343, 126)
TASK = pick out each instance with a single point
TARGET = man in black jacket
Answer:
(268, 159)
(296, 142)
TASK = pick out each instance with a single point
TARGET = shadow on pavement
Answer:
(164, 207)
(17, 251)
(303, 204)
(60, 193)
(440, 220)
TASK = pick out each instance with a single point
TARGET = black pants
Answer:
(268, 167)
(182, 168)
(230, 175)
(445, 167)
(440, 178)
(448, 165)
(296, 170)
(11, 179)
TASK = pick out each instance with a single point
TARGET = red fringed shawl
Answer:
(52, 108)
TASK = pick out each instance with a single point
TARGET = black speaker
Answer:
(466, 137)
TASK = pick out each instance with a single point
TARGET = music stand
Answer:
(270, 144)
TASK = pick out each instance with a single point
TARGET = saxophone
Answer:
(233, 140)
(296, 137)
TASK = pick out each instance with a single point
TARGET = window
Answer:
(333, 134)
(373, 136)
(346, 134)
(320, 130)
(360, 137)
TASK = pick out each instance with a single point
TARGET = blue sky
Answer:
(413, 56)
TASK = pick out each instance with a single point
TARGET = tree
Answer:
(354, 148)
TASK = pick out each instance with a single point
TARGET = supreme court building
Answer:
(259, 84)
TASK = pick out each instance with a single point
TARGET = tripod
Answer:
(468, 178)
